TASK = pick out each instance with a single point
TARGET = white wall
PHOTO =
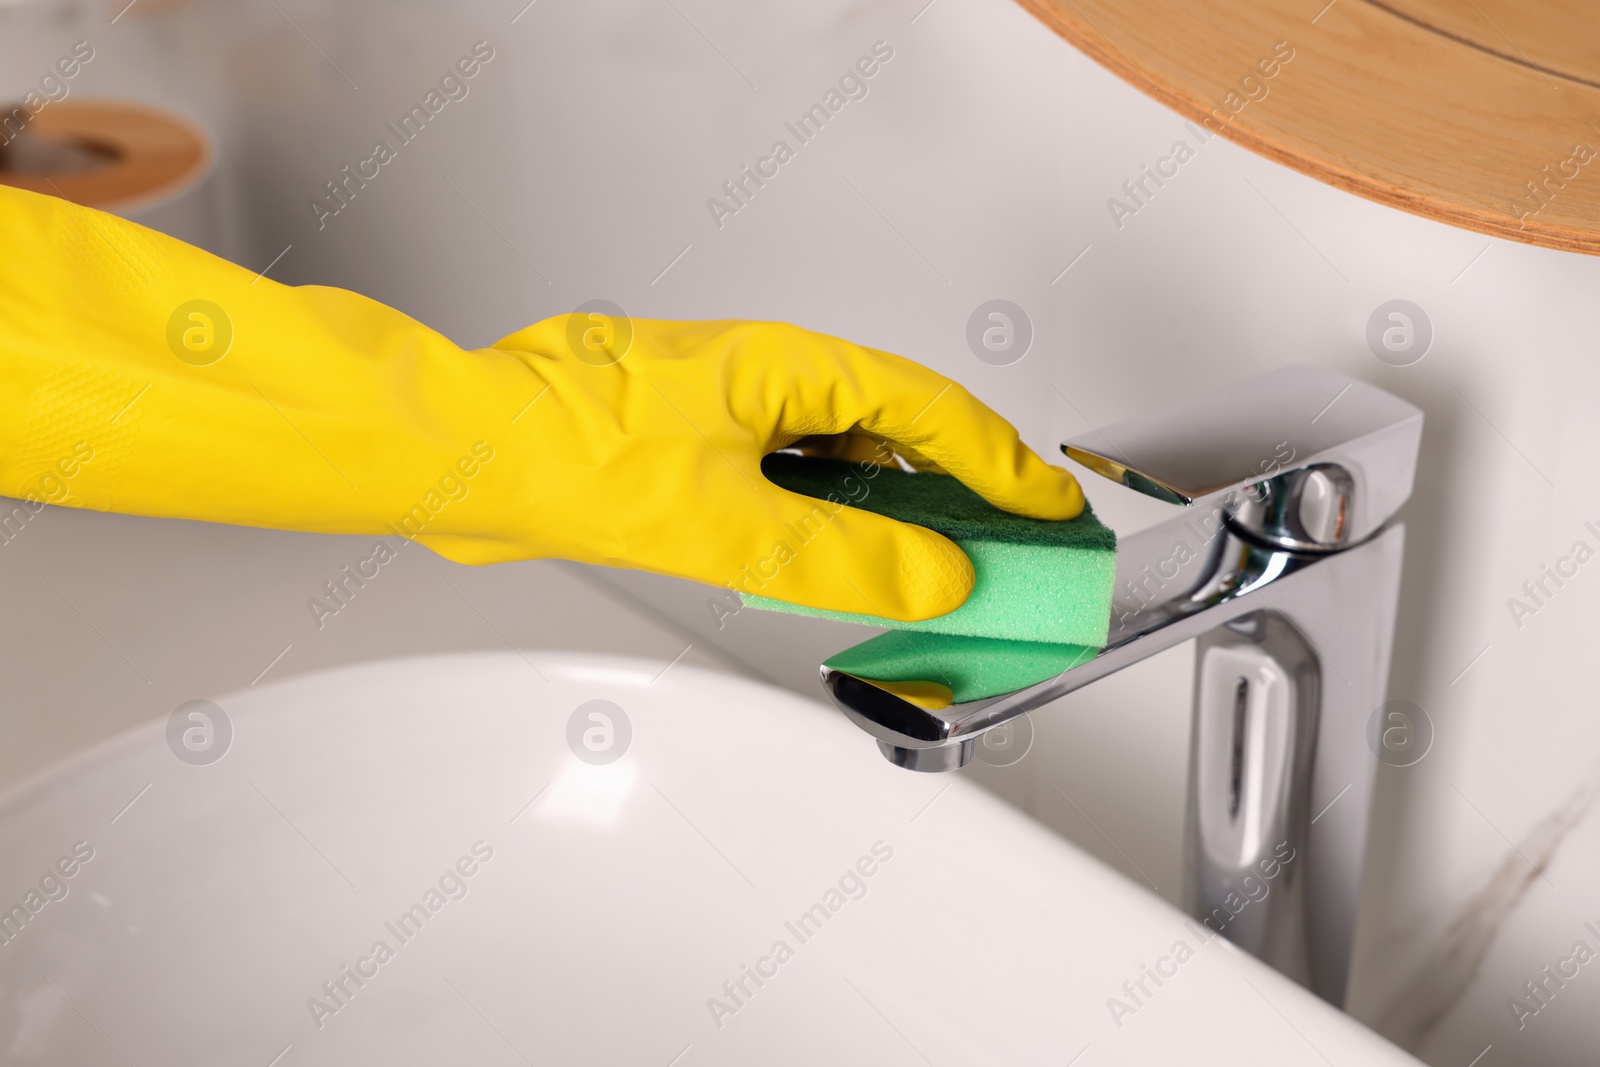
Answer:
(979, 166)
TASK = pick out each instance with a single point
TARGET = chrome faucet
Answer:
(1285, 569)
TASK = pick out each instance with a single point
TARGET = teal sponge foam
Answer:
(1036, 580)
(970, 667)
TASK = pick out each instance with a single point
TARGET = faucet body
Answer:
(1285, 569)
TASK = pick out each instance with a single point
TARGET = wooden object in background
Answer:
(1484, 114)
(103, 153)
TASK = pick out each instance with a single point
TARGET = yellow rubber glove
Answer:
(141, 375)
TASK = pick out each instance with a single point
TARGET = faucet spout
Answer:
(1174, 582)
(1276, 474)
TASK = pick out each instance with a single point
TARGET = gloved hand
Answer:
(139, 374)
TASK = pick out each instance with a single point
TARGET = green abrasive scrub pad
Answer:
(1037, 580)
(937, 670)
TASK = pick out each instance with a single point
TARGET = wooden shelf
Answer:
(144, 154)
(1481, 114)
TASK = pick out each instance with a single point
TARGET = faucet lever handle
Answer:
(1301, 457)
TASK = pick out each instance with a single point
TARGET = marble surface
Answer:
(982, 164)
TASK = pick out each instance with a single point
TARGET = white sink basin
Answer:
(599, 924)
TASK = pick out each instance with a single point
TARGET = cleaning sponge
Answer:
(1036, 580)
(937, 670)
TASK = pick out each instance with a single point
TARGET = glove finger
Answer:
(838, 558)
(712, 522)
(963, 436)
(840, 386)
